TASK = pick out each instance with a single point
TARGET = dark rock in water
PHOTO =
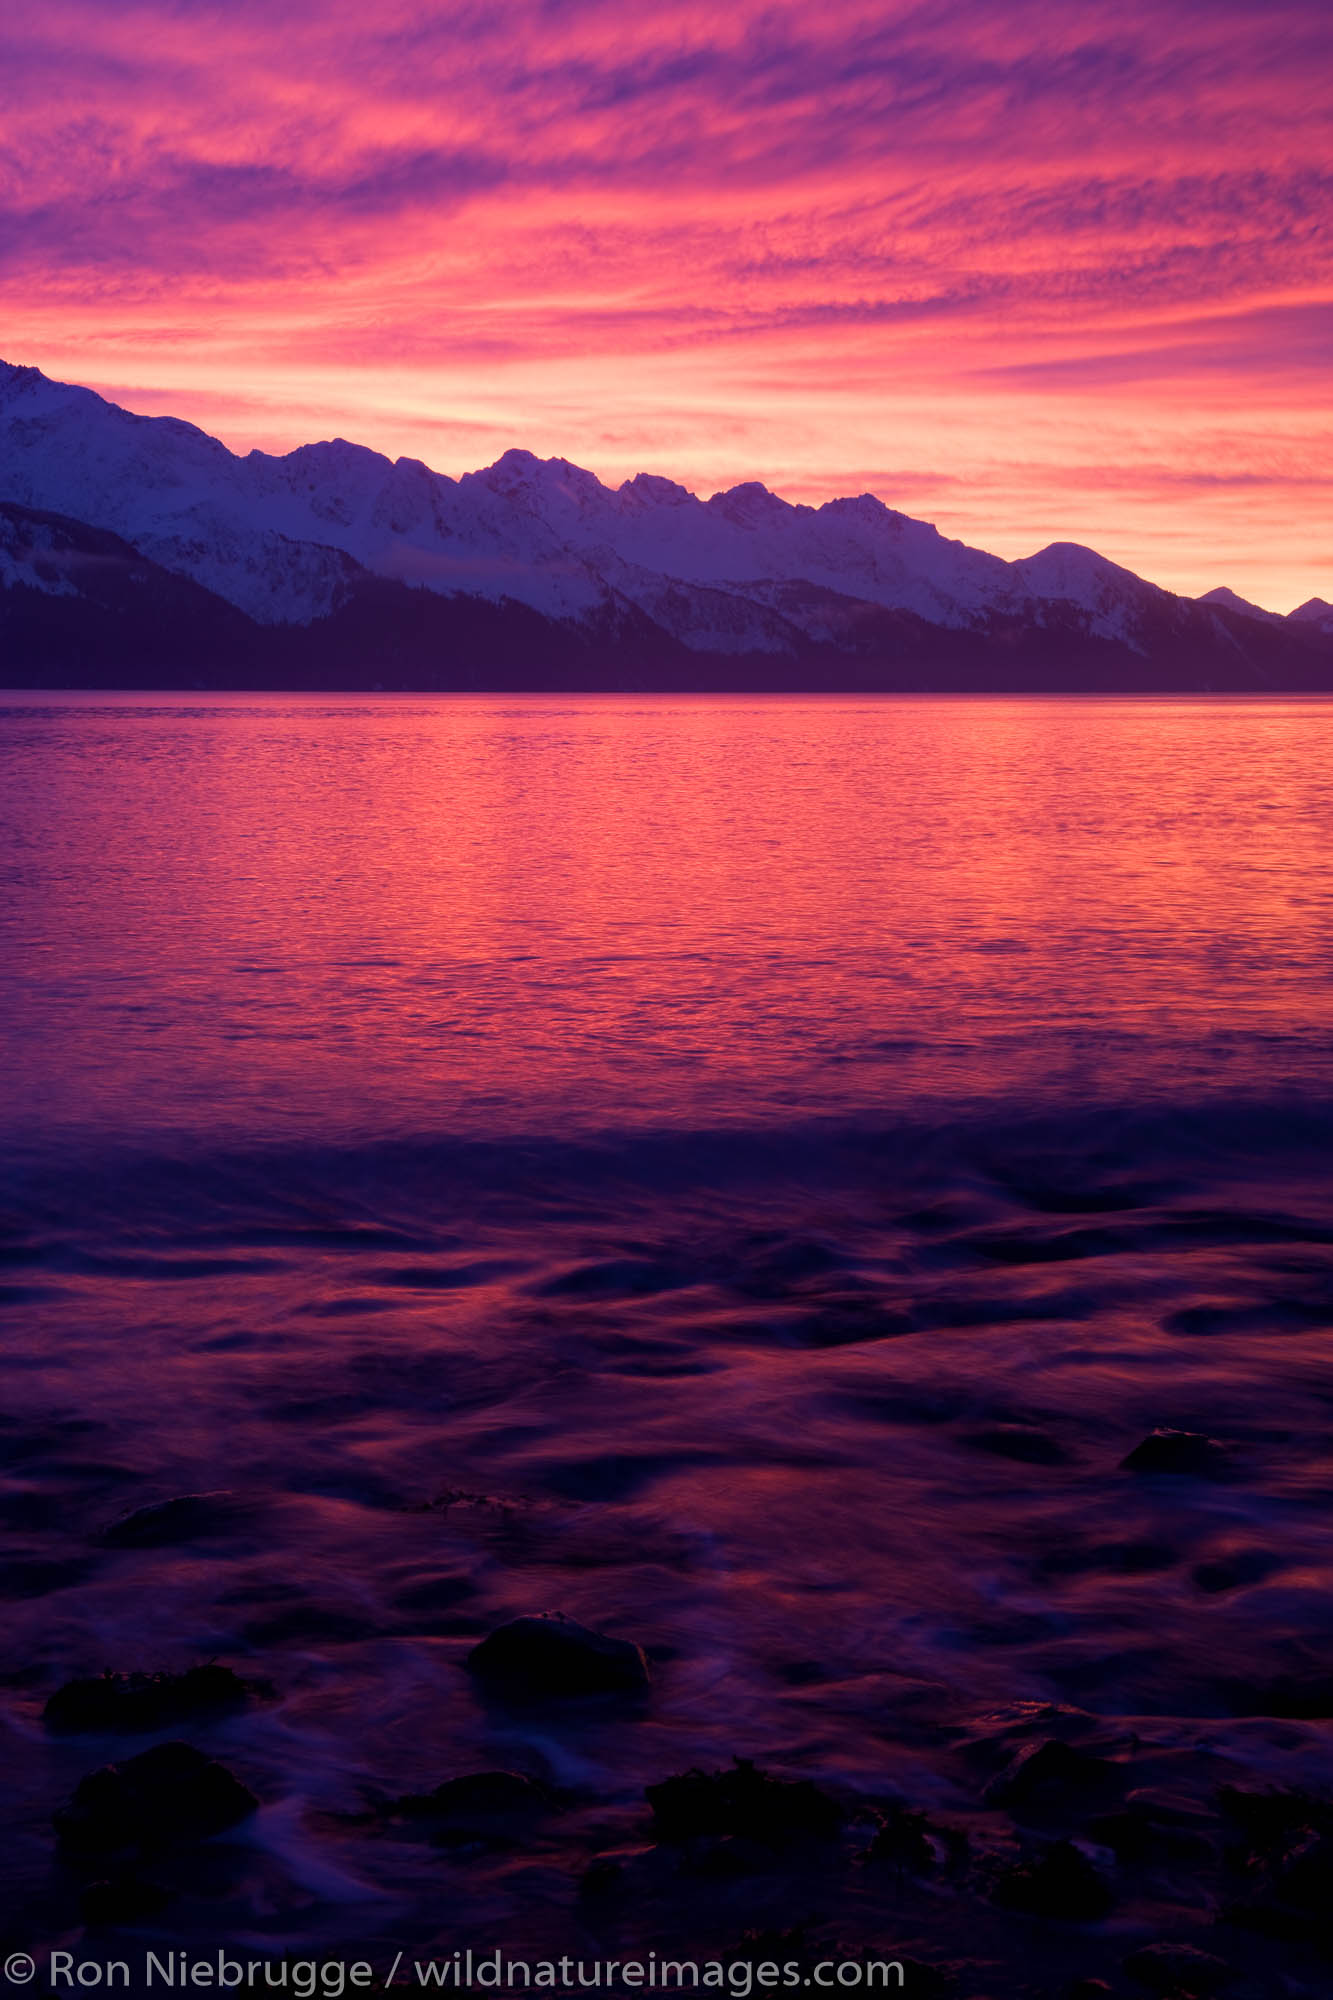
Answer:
(1019, 1442)
(1089, 1989)
(1062, 1882)
(1234, 1571)
(185, 1518)
(1050, 1773)
(132, 1702)
(170, 1793)
(124, 1901)
(904, 1839)
(1178, 1970)
(490, 1808)
(743, 1801)
(1182, 1452)
(551, 1655)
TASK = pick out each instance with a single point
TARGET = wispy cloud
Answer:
(754, 241)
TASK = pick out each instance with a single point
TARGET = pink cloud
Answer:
(762, 241)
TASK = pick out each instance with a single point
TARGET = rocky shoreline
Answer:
(1038, 1850)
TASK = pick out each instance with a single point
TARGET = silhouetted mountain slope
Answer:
(80, 608)
(140, 551)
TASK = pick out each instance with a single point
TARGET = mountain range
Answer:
(140, 552)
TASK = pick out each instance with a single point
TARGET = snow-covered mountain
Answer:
(1233, 602)
(1316, 612)
(335, 545)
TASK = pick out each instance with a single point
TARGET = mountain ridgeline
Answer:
(140, 552)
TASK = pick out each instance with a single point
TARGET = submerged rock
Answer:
(1062, 1882)
(170, 1793)
(1233, 1571)
(551, 1655)
(743, 1801)
(1021, 1442)
(1178, 1970)
(130, 1702)
(1190, 1453)
(184, 1518)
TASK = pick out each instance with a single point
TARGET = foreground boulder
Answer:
(743, 1801)
(550, 1655)
(130, 1702)
(165, 1795)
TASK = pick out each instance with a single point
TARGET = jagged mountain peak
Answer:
(14, 375)
(650, 489)
(521, 474)
(866, 507)
(750, 505)
(334, 453)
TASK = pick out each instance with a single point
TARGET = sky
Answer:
(1033, 272)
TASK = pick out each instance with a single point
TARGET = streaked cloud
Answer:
(983, 250)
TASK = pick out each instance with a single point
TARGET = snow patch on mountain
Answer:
(31, 555)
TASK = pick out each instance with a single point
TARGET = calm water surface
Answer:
(741, 1172)
(279, 918)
